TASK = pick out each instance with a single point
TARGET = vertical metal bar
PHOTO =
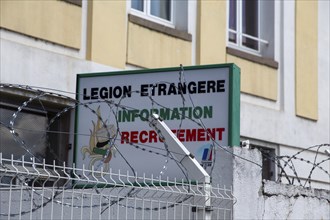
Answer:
(189, 210)
(134, 215)
(82, 195)
(174, 203)
(53, 189)
(126, 209)
(22, 186)
(100, 196)
(110, 175)
(182, 209)
(76, 178)
(126, 202)
(63, 192)
(159, 205)
(42, 195)
(168, 185)
(152, 183)
(118, 197)
(118, 206)
(207, 191)
(109, 213)
(10, 188)
(91, 198)
(21, 200)
(151, 209)
(100, 205)
(32, 188)
(145, 184)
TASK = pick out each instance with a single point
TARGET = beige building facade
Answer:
(281, 47)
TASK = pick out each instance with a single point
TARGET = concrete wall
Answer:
(257, 199)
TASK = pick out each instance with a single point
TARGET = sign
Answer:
(200, 104)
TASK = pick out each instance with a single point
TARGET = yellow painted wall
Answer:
(152, 49)
(106, 40)
(306, 59)
(211, 33)
(54, 21)
(256, 79)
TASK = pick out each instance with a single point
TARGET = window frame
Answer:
(239, 30)
(146, 13)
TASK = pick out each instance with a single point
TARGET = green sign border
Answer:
(234, 94)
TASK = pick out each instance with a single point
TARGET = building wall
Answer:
(257, 79)
(276, 122)
(106, 40)
(211, 32)
(306, 59)
(284, 104)
(54, 21)
(141, 50)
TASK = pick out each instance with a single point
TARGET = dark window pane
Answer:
(268, 163)
(250, 22)
(137, 4)
(232, 20)
(161, 9)
(232, 14)
(31, 128)
(232, 37)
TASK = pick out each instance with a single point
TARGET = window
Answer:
(36, 135)
(169, 17)
(268, 162)
(33, 121)
(157, 10)
(268, 154)
(251, 26)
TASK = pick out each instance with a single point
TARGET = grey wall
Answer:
(257, 199)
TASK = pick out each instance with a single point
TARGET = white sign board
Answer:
(112, 127)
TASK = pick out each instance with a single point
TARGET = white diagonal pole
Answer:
(187, 160)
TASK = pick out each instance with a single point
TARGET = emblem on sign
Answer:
(101, 146)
